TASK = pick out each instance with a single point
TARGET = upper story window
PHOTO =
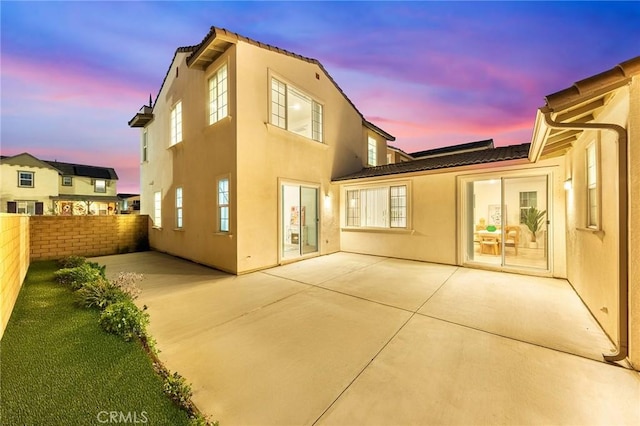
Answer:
(593, 219)
(179, 208)
(176, 123)
(218, 98)
(145, 145)
(99, 185)
(223, 205)
(372, 152)
(295, 111)
(157, 209)
(380, 207)
(67, 180)
(26, 179)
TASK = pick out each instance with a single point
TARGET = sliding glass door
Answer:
(299, 221)
(506, 221)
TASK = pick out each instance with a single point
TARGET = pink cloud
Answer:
(64, 83)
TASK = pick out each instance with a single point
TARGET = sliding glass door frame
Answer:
(304, 214)
(466, 223)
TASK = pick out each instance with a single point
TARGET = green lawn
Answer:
(58, 367)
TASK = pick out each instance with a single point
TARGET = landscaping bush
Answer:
(177, 388)
(100, 268)
(78, 276)
(124, 319)
(71, 262)
(126, 282)
(99, 294)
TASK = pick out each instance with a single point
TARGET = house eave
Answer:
(141, 120)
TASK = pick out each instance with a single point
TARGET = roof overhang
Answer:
(378, 130)
(142, 118)
(214, 44)
(579, 104)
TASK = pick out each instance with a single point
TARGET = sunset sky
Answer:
(432, 74)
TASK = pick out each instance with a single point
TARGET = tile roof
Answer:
(503, 153)
(84, 170)
(485, 144)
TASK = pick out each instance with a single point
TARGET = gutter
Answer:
(623, 221)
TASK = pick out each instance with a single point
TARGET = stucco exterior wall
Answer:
(435, 227)
(206, 153)
(14, 262)
(45, 185)
(269, 156)
(592, 256)
(634, 222)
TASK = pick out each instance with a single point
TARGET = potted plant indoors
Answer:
(533, 220)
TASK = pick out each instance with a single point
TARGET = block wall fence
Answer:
(54, 237)
(14, 262)
(24, 239)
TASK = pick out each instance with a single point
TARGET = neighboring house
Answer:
(129, 203)
(396, 155)
(33, 186)
(239, 150)
(85, 189)
(27, 184)
(454, 149)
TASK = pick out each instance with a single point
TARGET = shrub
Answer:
(126, 282)
(177, 388)
(77, 277)
(100, 268)
(99, 294)
(124, 319)
(71, 261)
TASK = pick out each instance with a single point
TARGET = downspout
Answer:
(623, 219)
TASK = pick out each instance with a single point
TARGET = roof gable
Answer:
(219, 39)
(27, 160)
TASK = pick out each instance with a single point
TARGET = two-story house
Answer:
(239, 150)
(32, 186)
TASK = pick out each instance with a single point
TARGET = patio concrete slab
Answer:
(285, 363)
(401, 283)
(336, 340)
(320, 269)
(435, 372)
(542, 311)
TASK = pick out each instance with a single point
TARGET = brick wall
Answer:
(14, 261)
(54, 237)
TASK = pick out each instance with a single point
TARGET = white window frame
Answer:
(100, 190)
(223, 200)
(26, 207)
(218, 95)
(67, 180)
(378, 207)
(592, 181)
(24, 176)
(157, 209)
(179, 210)
(279, 100)
(145, 146)
(176, 123)
(372, 152)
